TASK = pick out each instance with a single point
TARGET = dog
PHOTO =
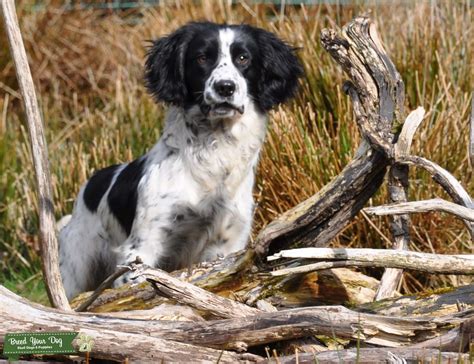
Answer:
(189, 199)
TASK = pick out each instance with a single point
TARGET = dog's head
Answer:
(221, 69)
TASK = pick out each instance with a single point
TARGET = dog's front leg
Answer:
(147, 250)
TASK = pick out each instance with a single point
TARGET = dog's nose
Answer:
(225, 88)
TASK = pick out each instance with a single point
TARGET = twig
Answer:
(107, 283)
(436, 204)
(192, 295)
(424, 262)
(47, 224)
(317, 266)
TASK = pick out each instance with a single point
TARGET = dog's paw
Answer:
(128, 278)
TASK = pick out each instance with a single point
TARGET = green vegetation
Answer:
(88, 66)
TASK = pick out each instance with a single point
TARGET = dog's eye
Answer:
(202, 59)
(243, 59)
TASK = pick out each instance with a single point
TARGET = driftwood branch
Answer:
(457, 339)
(114, 338)
(398, 191)
(377, 92)
(424, 262)
(47, 224)
(446, 180)
(409, 128)
(440, 175)
(445, 301)
(436, 204)
(191, 295)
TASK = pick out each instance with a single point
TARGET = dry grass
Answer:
(88, 69)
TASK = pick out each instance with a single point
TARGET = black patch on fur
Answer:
(97, 186)
(122, 197)
(101, 268)
(280, 70)
(193, 128)
(167, 231)
(165, 63)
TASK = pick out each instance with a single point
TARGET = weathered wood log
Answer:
(458, 339)
(114, 338)
(379, 94)
(39, 149)
(238, 333)
(341, 286)
(435, 204)
(191, 295)
(372, 356)
(445, 301)
(424, 262)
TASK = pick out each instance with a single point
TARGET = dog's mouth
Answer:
(221, 109)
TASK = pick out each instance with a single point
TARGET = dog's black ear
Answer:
(164, 67)
(280, 70)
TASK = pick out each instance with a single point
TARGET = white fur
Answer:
(226, 70)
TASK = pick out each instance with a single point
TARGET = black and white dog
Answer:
(189, 199)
